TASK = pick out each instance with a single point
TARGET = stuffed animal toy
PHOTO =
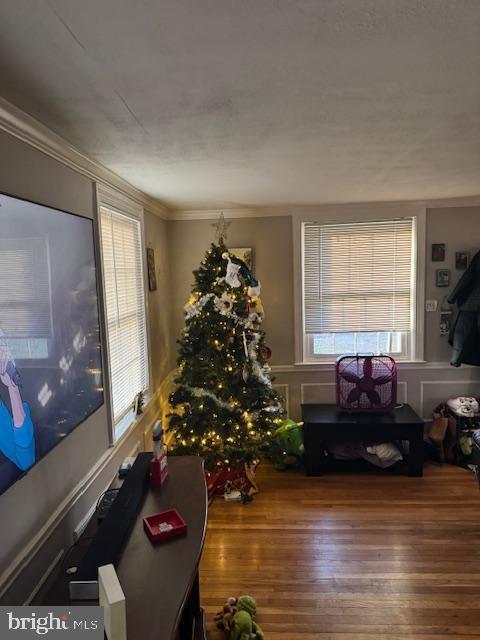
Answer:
(463, 407)
(450, 433)
(244, 625)
(287, 445)
(224, 618)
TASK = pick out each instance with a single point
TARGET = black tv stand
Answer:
(324, 423)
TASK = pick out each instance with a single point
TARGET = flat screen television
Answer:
(50, 353)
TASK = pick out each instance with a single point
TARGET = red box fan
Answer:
(366, 383)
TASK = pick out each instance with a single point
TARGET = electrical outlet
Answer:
(431, 305)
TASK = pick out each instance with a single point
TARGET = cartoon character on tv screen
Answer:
(17, 440)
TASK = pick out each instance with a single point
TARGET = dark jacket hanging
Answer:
(465, 334)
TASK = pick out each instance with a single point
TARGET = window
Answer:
(26, 314)
(359, 292)
(122, 253)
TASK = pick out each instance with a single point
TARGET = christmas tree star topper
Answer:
(221, 227)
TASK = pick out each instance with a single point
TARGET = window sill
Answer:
(331, 363)
(123, 426)
(403, 365)
(129, 422)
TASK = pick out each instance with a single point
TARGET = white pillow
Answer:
(386, 451)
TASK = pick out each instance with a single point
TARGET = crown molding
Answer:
(24, 127)
(305, 210)
(212, 214)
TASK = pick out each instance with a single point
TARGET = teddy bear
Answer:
(244, 625)
(224, 618)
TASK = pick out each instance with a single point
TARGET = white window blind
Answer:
(359, 276)
(125, 308)
(25, 299)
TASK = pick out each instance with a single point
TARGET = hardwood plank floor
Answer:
(350, 555)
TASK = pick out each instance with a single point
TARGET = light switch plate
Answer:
(431, 305)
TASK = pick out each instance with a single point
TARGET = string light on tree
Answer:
(225, 408)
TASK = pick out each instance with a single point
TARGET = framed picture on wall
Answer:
(245, 254)
(442, 277)
(438, 252)
(462, 259)
(152, 276)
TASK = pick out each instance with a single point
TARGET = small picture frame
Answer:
(438, 252)
(442, 277)
(152, 276)
(245, 254)
(462, 260)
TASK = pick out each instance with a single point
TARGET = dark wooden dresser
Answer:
(160, 582)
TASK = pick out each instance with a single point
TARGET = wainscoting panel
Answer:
(317, 392)
(422, 385)
(402, 392)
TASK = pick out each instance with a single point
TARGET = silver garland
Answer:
(223, 306)
(200, 392)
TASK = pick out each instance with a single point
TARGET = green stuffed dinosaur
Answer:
(244, 625)
(287, 447)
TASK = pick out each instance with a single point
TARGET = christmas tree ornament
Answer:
(224, 304)
(256, 305)
(231, 277)
(245, 345)
(265, 352)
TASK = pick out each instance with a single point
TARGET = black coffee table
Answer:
(324, 423)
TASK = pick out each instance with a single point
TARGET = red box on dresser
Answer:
(152, 523)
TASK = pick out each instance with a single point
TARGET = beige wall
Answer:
(271, 237)
(58, 491)
(162, 357)
(459, 229)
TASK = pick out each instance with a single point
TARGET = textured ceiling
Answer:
(218, 103)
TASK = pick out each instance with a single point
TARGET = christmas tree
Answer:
(226, 409)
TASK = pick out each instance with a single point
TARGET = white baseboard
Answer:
(51, 567)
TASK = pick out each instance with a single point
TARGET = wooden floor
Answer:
(351, 556)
